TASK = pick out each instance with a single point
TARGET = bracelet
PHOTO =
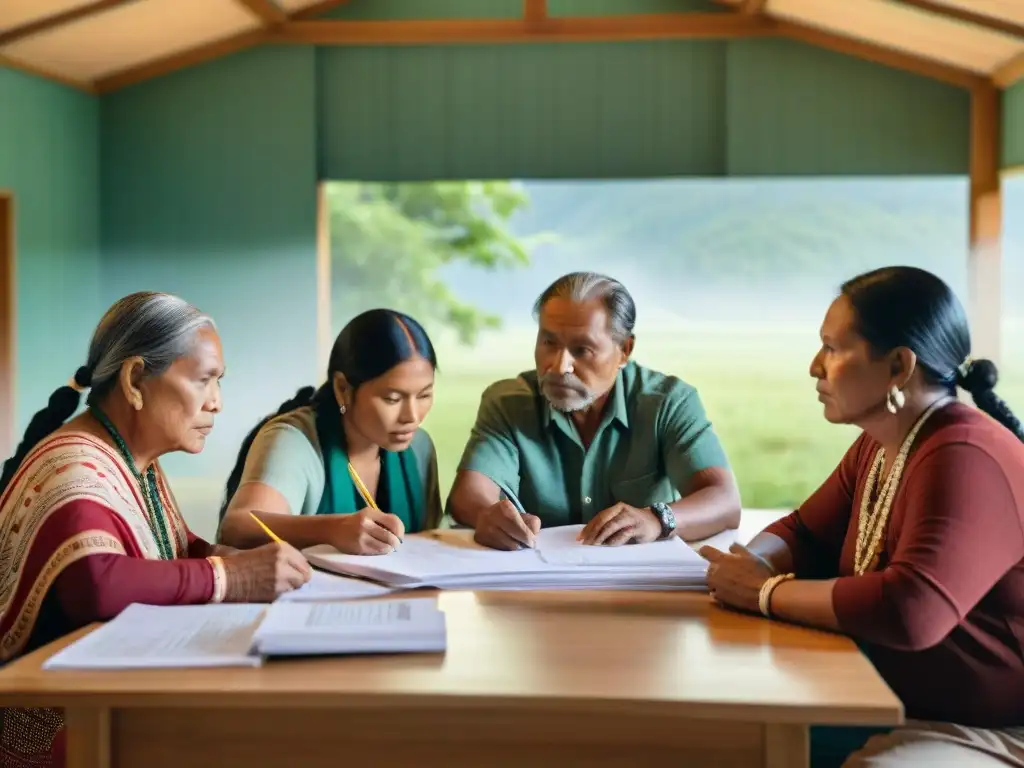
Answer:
(220, 579)
(764, 599)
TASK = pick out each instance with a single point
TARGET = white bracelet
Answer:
(220, 579)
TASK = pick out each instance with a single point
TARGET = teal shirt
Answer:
(653, 438)
(286, 455)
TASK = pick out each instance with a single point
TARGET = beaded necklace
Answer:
(873, 517)
(148, 485)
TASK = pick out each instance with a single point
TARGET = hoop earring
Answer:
(895, 400)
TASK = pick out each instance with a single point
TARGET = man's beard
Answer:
(576, 397)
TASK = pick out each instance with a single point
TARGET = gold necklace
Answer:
(873, 517)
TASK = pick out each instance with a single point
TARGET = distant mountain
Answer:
(713, 248)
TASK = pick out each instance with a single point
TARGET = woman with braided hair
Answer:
(88, 524)
(914, 546)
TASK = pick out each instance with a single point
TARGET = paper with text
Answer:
(148, 636)
(372, 626)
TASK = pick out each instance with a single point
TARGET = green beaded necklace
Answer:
(157, 520)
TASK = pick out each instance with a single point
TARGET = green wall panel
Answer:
(209, 191)
(1013, 125)
(630, 7)
(511, 9)
(541, 111)
(427, 9)
(49, 145)
(743, 108)
(796, 109)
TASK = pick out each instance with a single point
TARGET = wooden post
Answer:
(985, 257)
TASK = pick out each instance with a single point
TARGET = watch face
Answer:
(668, 520)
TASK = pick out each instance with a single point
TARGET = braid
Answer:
(62, 405)
(996, 407)
(305, 396)
(979, 377)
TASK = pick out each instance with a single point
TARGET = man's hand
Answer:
(501, 526)
(622, 524)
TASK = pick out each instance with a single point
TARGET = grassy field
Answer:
(754, 383)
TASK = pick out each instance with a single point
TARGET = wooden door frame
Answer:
(8, 325)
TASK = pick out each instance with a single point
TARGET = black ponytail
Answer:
(911, 307)
(61, 407)
(302, 398)
(979, 377)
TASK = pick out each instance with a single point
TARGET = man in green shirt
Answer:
(591, 437)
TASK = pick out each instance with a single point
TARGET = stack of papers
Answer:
(243, 635)
(380, 626)
(327, 587)
(559, 561)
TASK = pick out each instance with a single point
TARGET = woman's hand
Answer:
(260, 575)
(735, 578)
(367, 532)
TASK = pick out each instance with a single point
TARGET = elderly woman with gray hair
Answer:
(88, 524)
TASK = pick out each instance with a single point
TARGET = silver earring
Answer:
(342, 409)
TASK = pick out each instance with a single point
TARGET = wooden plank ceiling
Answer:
(102, 45)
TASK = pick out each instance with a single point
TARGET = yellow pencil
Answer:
(269, 532)
(362, 488)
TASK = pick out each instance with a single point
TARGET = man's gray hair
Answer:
(158, 327)
(584, 286)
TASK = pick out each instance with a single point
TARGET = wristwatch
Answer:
(666, 517)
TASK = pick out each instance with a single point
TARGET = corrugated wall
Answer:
(1013, 126)
(666, 108)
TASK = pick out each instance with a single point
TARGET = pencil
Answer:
(362, 488)
(269, 532)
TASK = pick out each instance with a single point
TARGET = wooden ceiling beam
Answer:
(752, 7)
(954, 13)
(1009, 73)
(879, 54)
(267, 11)
(189, 58)
(13, 63)
(318, 9)
(535, 12)
(47, 23)
(671, 26)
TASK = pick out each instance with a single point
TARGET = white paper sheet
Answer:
(147, 636)
(560, 546)
(324, 587)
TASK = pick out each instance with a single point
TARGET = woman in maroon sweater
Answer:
(88, 524)
(914, 546)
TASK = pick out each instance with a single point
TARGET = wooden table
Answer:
(529, 679)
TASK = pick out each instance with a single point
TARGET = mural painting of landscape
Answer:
(731, 278)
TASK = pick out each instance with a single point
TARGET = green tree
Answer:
(390, 241)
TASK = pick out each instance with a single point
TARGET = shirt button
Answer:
(586, 499)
